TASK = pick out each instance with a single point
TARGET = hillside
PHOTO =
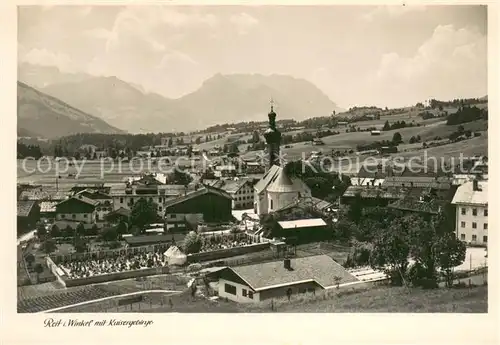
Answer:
(48, 117)
(220, 99)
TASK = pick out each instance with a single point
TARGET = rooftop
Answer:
(24, 207)
(302, 223)
(196, 193)
(466, 194)
(320, 268)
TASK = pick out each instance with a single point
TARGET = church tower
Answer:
(273, 139)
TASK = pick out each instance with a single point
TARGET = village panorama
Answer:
(249, 192)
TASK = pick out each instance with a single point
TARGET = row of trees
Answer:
(387, 239)
(467, 114)
(24, 151)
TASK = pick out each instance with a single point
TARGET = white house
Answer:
(278, 279)
(471, 202)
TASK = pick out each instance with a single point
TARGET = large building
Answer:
(471, 202)
(207, 204)
(77, 209)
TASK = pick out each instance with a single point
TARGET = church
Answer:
(276, 190)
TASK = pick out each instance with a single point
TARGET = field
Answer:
(47, 296)
(381, 299)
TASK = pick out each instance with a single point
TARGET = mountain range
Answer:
(40, 115)
(220, 99)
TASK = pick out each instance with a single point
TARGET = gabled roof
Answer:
(466, 194)
(119, 212)
(321, 269)
(232, 186)
(197, 193)
(93, 194)
(24, 207)
(48, 206)
(80, 198)
(374, 192)
(281, 183)
(302, 223)
(266, 180)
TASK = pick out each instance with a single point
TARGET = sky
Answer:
(357, 55)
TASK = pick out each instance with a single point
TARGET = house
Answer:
(78, 208)
(276, 190)
(254, 168)
(117, 216)
(304, 230)
(206, 204)
(375, 132)
(374, 196)
(241, 190)
(279, 279)
(99, 187)
(48, 209)
(28, 213)
(127, 196)
(471, 202)
(105, 202)
(225, 171)
(317, 142)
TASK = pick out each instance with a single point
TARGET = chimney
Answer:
(287, 264)
(475, 185)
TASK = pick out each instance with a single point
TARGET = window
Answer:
(131, 201)
(463, 211)
(73, 216)
(62, 215)
(302, 290)
(485, 226)
(462, 224)
(159, 208)
(474, 238)
(462, 237)
(485, 239)
(230, 289)
(486, 212)
(474, 225)
(250, 294)
(271, 201)
(172, 216)
(244, 292)
(474, 211)
(121, 200)
(85, 215)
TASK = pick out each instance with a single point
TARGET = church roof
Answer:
(282, 183)
(266, 180)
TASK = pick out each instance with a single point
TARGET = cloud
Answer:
(451, 63)
(391, 11)
(243, 22)
(45, 57)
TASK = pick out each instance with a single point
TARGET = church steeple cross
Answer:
(272, 104)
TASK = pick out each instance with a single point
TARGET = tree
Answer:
(80, 245)
(450, 253)
(356, 209)
(122, 228)
(180, 177)
(391, 250)
(38, 271)
(397, 138)
(193, 243)
(80, 229)
(41, 231)
(110, 234)
(48, 246)
(387, 126)
(143, 213)
(30, 258)
(55, 232)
